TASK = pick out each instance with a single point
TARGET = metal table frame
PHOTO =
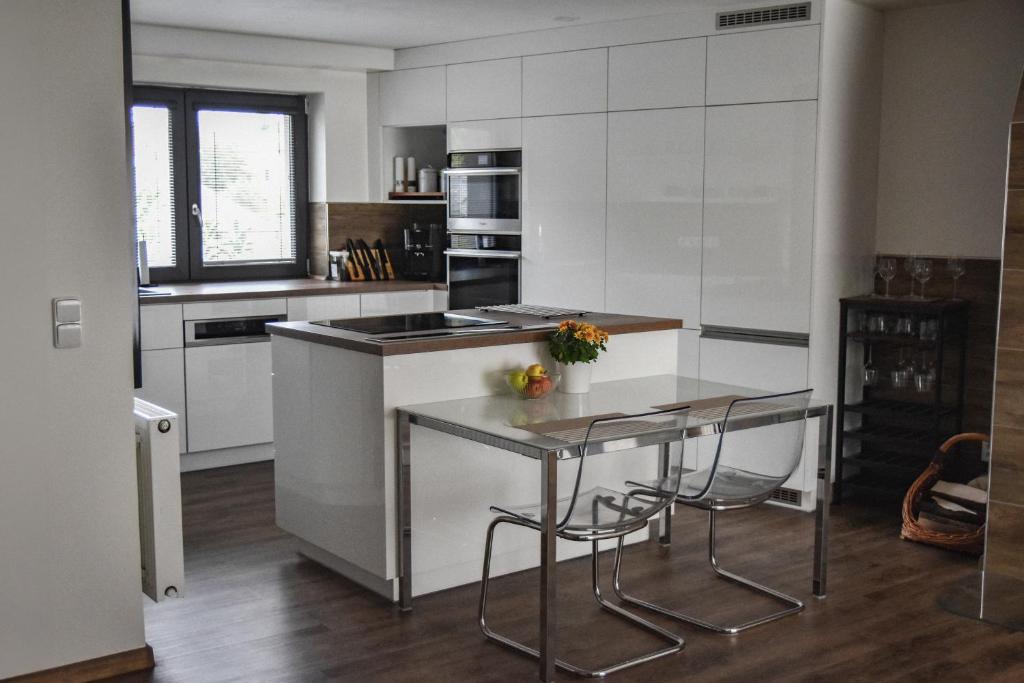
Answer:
(549, 504)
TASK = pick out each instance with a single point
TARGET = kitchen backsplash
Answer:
(331, 223)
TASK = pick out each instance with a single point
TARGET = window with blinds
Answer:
(220, 183)
(246, 187)
(152, 138)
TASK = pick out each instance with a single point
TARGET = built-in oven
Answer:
(483, 270)
(484, 190)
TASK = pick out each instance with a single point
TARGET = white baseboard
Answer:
(225, 457)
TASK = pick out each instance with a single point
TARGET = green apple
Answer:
(517, 379)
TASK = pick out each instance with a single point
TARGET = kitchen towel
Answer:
(399, 174)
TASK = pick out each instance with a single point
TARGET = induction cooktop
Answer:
(415, 322)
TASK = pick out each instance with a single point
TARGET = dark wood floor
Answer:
(255, 611)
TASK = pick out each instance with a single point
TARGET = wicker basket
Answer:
(968, 542)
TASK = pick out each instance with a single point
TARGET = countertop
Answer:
(612, 323)
(268, 289)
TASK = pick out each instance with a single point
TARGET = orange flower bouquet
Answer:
(576, 342)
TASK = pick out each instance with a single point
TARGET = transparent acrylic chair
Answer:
(600, 513)
(748, 465)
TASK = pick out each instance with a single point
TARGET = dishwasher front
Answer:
(228, 392)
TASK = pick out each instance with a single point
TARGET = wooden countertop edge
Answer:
(288, 291)
(466, 342)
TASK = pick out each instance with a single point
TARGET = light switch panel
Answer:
(67, 311)
(67, 336)
(67, 323)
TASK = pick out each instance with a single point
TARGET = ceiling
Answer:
(410, 23)
(401, 23)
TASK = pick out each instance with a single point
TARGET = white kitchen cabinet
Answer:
(468, 136)
(758, 216)
(163, 383)
(564, 183)
(491, 89)
(763, 66)
(160, 327)
(229, 399)
(689, 353)
(653, 75)
(413, 97)
(323, 307)
(655, 187)
(565, 82)
(774, 369)
(397, 303)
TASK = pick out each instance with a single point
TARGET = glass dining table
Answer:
(497, 421)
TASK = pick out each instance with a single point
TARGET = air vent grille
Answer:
(764, 15)
(787, 496)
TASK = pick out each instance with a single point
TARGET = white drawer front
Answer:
(163, 383)
(160, 326)
(392, 303)
(242, 308)
(323, 307)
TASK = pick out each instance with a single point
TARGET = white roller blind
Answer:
(154, 182)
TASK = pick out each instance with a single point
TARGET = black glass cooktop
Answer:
(416, 322)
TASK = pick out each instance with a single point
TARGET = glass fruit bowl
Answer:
(535, 387)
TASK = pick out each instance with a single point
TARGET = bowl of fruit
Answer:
(533, 382)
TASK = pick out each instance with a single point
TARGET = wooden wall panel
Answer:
(1004, 547)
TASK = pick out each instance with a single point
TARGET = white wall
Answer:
(69, 546)
(950, 79)
(849, 104)
(333, 76)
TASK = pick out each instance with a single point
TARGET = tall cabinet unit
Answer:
(564, 211)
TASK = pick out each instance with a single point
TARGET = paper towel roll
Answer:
(410, 173)
(400, 174)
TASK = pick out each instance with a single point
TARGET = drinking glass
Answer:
(908, 265)
(870, 371)
(887, 271)
(922, 273)
(956, 268)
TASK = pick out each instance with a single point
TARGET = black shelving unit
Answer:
(887, 435)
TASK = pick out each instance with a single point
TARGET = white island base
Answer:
(335, 471)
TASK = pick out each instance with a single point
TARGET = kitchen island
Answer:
(335, 394)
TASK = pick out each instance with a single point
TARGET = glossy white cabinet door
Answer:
(653, 75)
(763, 66)
(466, 136)
(564, 198)
(396, 303)
(160, 326)
(413, 97)
(655, 184)
(229, 397)
(485, 90)
(565, 82)
(758, 213)
(163, 383)
(240, 308)
(323, 307)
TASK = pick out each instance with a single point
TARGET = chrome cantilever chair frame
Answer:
(675, 642)
(701, 500)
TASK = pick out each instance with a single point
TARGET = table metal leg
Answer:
(823, 502)
(664, 526)
(402, 476)
(548, 565)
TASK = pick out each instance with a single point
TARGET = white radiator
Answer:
(160, 536)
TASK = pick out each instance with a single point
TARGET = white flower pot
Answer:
(575, 377)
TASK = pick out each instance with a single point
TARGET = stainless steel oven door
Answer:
(482, 277)
(483, 200)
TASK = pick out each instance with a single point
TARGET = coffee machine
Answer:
(424, 253)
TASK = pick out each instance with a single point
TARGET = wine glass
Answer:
(908, 265)
(956, 268)
(887, 271)
(922, 272)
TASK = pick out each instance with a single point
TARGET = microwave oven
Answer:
(484, 192)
